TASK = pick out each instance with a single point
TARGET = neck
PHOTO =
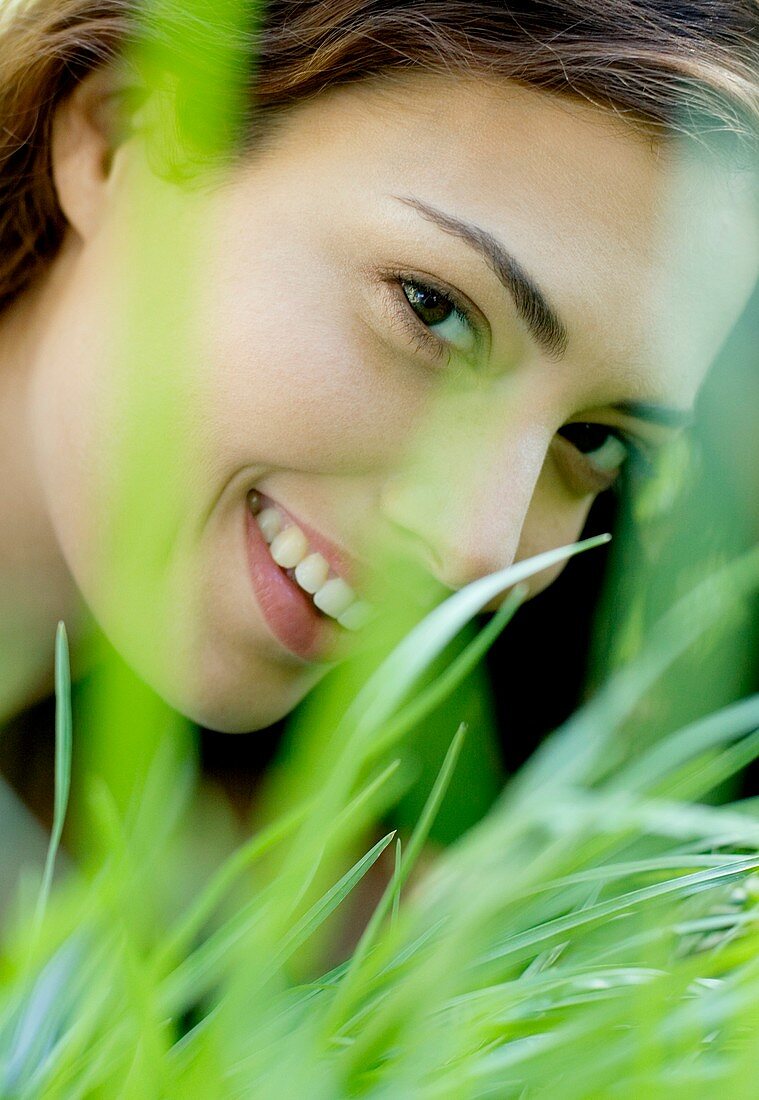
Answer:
(36, 588)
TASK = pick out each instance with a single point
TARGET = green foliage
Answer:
(594, 935)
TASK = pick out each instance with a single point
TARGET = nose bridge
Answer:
(465, 504)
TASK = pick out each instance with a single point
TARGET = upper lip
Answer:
(338, 559)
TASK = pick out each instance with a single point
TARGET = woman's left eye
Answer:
(441, 315)
(606, 448)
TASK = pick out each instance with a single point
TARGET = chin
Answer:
(232, 720)
(235, 707)
(543, 580)
(221, 712)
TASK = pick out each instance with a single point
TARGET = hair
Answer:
(687, 66)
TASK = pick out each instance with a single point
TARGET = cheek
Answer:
(555, 517)
(76, 427)
(292, 376)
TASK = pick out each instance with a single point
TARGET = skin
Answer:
(301, 368)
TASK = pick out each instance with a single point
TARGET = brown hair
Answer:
(689, 66)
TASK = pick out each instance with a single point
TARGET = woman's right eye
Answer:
(443, 318)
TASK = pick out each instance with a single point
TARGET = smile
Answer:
(299, 589)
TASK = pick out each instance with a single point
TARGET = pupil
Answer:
(432, 308)
(586, 437)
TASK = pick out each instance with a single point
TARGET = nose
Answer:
(462, 515)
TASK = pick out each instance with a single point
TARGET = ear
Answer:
(87, 129)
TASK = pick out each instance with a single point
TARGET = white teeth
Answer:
(270, 523)
(357, 615)
(312, 572)
(289, 547)
(334, 597)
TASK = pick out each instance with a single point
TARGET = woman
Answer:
(461, 263)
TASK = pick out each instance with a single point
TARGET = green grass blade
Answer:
(616, 906)
(206, 965)
(714, 730)
(63, 737)
(396, 883)
(180, 938)
(326, 905)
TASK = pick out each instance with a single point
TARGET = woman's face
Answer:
(405, 312)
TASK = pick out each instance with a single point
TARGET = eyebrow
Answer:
(533, 307)
(654, 413)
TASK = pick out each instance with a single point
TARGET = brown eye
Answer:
(604, 447)
(441, 315)
(430, 305)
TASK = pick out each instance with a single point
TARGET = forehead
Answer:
(647, 251)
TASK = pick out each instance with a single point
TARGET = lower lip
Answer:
(288, 610)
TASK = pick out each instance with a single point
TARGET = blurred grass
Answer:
(594, 935)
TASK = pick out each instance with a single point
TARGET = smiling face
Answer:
(434, 309)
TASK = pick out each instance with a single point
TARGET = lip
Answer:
(289, 612)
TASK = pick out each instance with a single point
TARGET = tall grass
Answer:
(594, 935)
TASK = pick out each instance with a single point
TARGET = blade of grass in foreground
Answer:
(326, 905)
(208, 963)
(63, 736)
(728, 724)
(181, 938)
